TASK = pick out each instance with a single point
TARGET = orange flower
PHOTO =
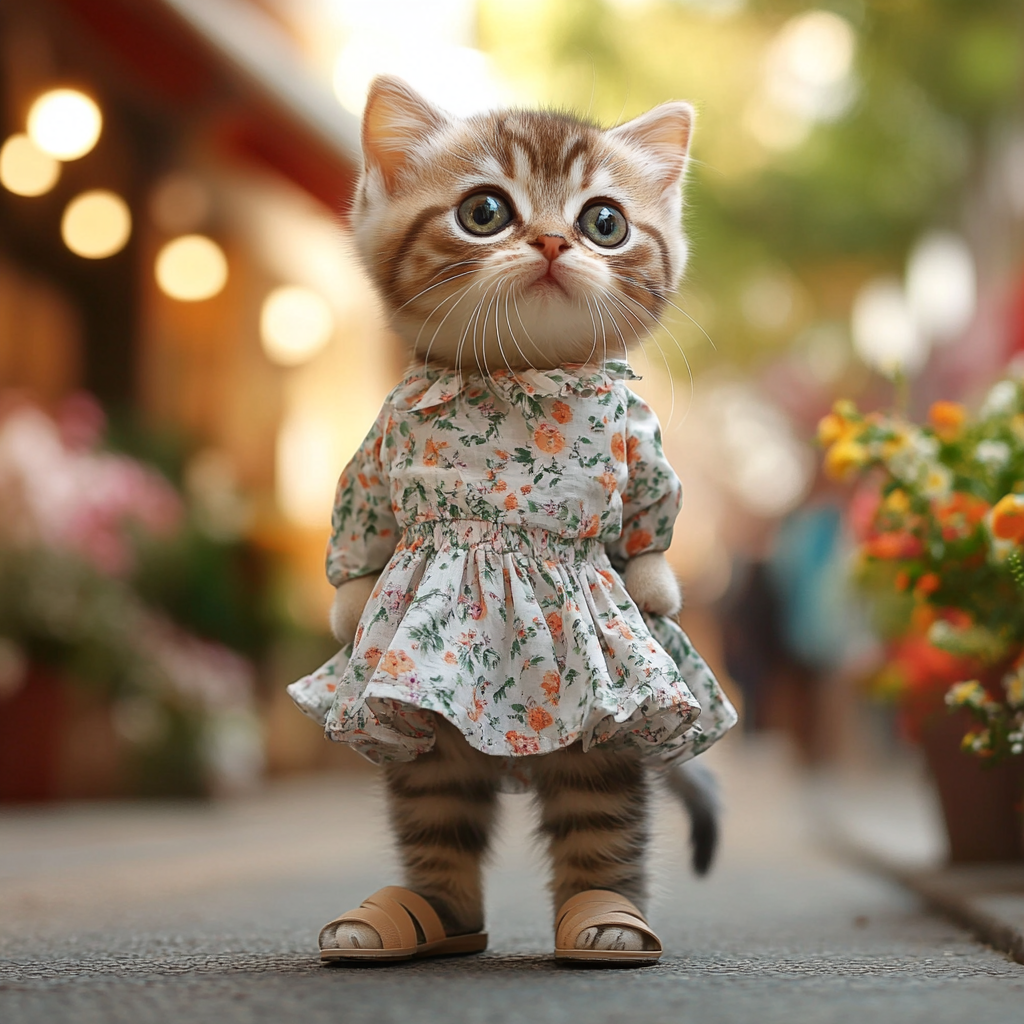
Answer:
(501, 453)
(548, 439)
(538, 719)
(526, 488)
(521, 744)
(450, 659)
(372, 655)
(898, 544)
(608, 481)
(431, 450)
(927, 584)
(638, 540)
(947, 418)
(500, 486)
(633, 450)
(397, 662)
(551, 684)
(1008, 518)
(619, 447)
(511, 502)
(561, 412)
(591, 527)
(554, 621)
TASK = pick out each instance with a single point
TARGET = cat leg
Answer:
(442, 808)
(594, 809)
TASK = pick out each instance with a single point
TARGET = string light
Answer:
(65, 123)
(25, 169)
(191, 268)
(96, 224)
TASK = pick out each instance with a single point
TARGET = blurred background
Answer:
(189, 354)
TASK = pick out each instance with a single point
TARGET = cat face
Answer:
(517, 238)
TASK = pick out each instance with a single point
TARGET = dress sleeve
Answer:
(364, 531)
(653, 494)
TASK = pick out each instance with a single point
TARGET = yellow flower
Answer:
(898, 502)
(1014, 686)
(844, 458)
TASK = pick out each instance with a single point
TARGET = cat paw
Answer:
(349, 601)
(652, 584)
(350, 935)
(609, 936)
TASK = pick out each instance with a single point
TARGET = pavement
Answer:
(168, 913)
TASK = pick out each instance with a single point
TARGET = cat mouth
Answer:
(548, 283)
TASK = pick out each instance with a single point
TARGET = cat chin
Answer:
(548, 329)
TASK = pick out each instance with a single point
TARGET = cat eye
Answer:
(484, 213)
(604, 225)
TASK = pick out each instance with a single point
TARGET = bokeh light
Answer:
(191, 268)
(295, 324)
(25, 169)
(65, 123)
(941, 287)
(885, 334)
(96, 224)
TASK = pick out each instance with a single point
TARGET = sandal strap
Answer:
(390, 912)
(597, 908)
(416, 907)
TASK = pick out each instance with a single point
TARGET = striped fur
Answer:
(479, 301)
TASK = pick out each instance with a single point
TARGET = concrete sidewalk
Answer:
(156, 913)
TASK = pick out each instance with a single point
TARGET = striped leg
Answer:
(442, 808)
(594, 809)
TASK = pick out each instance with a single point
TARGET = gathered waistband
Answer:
(442, 534)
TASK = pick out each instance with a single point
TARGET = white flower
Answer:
(938, 482)
(994, 454)
(1001, 399)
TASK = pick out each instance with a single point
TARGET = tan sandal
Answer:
(596, 908)
(394, 913)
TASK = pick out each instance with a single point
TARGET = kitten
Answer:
(513, 241)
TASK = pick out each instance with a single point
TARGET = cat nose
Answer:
(551, 246)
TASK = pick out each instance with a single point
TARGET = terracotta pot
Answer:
(981, 803)
(31, 729)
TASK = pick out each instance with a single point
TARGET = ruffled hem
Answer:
(524, 641)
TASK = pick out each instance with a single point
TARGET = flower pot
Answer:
(31, 729)
(981, 803)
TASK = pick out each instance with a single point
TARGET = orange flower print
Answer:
(590, 527)
(633, 450)
(372, 655)
(500, 486)
(526, 488)
(432, 451)
(608, 482)
(520, 744)
(638, 540)
(538, 719)
(397, 662)
(548, 439)
(561, 412)
(551, 684)
(554, 621)
(511, 502)
(621, 628)
(501, 453)
(619, 447)
(474, 713)
(609, 579)
(450, 659)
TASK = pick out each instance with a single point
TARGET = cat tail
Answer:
(697, 790)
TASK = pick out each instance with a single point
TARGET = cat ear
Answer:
(663, 136)
(396, 120)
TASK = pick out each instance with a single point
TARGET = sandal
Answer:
(596, 908)
(396, 914)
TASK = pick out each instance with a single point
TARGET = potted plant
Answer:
(939, 517)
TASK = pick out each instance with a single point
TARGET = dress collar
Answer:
(437, 385)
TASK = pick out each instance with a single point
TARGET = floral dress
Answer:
(497, 509)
